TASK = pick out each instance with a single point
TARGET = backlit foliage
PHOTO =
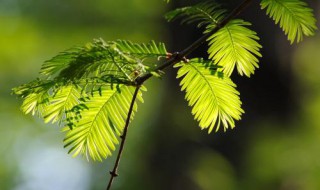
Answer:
(89, 89)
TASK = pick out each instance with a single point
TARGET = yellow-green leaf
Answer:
(234, 45)
(294, 17)
(95, 135)
(211, 94)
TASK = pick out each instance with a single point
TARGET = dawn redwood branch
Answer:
(174, 58)
(180, 56)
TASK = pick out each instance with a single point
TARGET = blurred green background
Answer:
(274, 146)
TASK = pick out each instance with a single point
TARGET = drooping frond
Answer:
(211, 94)
(96, 117)
(204, 14)
(294, 17)
(50, 99)
(88, 90)
(35, 103)
(60, 103)
(95, 135)
(36, 96)
(235, 45)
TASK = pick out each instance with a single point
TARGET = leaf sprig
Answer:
(211, 94)
(233, 45)
(95, 135)
(88, 90)
(203, 14)
(120, 60)
(294, 17)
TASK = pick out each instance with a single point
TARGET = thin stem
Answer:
(175, 58)
(179, 56)
(114, 173)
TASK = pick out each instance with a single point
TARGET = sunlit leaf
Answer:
(62, 101)
(235, 45)
(35, 103)
(211, 94)
(294, 17)
(95, 135)
(232, 45)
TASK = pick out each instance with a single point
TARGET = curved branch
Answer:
(114, 173)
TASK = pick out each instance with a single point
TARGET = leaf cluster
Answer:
(233, 45)
(89, 89)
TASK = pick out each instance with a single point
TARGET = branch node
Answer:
(114, 174)
(185, 60)
(169, 55)
(176, 55)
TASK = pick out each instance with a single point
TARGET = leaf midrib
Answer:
(98, 113)
(69, 94)
(289, 10)
(233, 44)
(207, 14)
(206, 80)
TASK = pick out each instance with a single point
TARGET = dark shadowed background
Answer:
(275, 145)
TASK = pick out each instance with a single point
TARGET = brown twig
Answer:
(114, 173)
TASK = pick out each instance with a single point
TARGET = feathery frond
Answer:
(84, 69)
(235, 45)
(59, 62)
(35, 95)
(50, 99)
(92, 121)
(96, 133)
(61, 101)
(211, 94)
(120, 60)
(94, 59)
(204, 14)
(35, 103)
(294, 17)
(88, 90)
(142, 50)
(232, 45)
